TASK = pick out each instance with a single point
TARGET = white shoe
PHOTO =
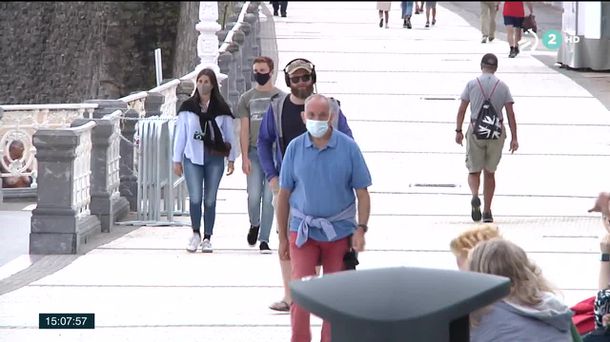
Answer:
(194, 243)
(206, 246)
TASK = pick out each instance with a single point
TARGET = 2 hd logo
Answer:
(551, 39)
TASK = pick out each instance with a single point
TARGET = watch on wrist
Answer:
(458, 131)
(364, 227)
(605, 257)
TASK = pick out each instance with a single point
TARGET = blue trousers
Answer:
(202, 182)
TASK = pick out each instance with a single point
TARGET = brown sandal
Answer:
(281, 306)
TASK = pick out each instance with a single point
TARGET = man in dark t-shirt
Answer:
(281, 124)
(292, 124)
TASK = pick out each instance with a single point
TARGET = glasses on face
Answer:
(304, 78)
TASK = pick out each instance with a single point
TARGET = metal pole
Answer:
(158, 66)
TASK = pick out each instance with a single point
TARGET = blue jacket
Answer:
(270, 135)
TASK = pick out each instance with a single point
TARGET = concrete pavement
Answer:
(399, 90)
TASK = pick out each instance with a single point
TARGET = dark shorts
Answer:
(513, 21)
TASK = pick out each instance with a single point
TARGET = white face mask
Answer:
(205, 89)
(316, 128)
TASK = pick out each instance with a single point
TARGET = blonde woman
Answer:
(465, 242)
(531, 312)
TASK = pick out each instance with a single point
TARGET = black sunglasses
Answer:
(304, 78)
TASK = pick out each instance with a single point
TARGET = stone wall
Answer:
(59, 52)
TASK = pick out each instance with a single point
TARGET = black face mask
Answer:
(262, 78)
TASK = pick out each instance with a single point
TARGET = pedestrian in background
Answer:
(251, 108)
(384, 8)
(430, 7)
(484, 155)
(489, 9)
(280, 6)
(407, 10)
(514, 13)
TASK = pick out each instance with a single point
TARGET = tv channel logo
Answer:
(552, 39)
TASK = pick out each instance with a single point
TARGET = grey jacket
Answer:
(509, 322)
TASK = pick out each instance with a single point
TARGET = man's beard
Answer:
(302, 93)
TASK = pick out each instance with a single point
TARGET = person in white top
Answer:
(203, 139)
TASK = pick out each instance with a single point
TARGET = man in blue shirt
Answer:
(281, 123)
(320, 171)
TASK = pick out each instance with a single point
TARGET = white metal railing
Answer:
(17, 127)
(155, 178)
(114, 155)
(81, 188)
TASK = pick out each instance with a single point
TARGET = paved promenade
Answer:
(400, 91)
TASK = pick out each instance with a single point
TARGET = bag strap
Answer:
(492, 91)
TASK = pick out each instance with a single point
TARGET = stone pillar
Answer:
(231, 21)
(254, 10)
(107, 107)
(55, 227)
(254, 40)
(152, 104)
(183, 92)
(247, 56)
(234, 93)
(129, 179)
(224, 61)
(222, 35)
(107, 209)
(239, 39)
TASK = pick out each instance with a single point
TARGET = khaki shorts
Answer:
(483, 154)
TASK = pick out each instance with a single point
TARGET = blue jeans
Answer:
(197, 178)
(258, 189)
(407, 8)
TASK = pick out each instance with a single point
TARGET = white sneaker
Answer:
(194, 243)
(206, 246)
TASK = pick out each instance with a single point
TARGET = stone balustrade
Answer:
(106, 202)
(81, 159)
(62, 219)
(18, 125)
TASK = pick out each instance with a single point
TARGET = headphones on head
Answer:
(313, 70)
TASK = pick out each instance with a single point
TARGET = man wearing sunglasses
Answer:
(281, 123)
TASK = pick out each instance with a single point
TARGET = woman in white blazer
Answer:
(203, 139)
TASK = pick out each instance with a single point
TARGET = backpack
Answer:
(487, 125)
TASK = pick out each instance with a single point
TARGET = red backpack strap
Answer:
(494, 89)
(483, 91)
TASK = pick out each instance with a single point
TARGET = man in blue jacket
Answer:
(281, 123)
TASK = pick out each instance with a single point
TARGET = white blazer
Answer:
(185, 145)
